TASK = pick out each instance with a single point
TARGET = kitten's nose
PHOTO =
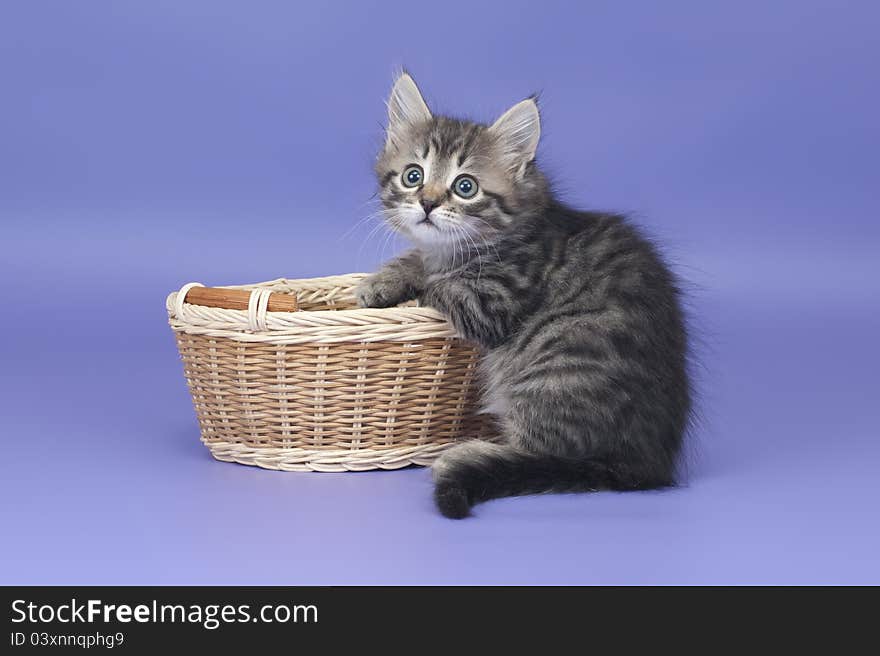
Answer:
(428, 205)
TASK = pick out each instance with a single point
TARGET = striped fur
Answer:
(580, 319)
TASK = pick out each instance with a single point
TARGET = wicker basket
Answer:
(329, 387)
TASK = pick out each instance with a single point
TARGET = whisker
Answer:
(485, 241)
(370, 217)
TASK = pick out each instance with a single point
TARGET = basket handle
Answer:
(237, 299)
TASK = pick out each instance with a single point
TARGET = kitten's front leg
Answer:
(483, 312)
(399, 280)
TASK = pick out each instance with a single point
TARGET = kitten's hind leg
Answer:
(458, 470)
(534, 460)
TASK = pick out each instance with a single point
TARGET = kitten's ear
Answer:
(517, 132)
(406, 107)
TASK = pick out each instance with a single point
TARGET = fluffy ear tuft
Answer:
(517, 132)
(406, 107)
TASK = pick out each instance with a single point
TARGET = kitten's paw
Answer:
(374, 293)
(451, 499)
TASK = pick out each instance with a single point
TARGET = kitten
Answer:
(584, 340)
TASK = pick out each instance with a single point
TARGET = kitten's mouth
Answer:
(426, 221)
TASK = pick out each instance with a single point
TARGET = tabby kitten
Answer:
(578, 317)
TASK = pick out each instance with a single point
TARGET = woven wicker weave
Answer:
(330, 388)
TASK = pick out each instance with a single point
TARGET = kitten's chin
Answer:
(427, 234)
(416, 227)
(434, 233)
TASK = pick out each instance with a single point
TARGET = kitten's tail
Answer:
(477, 471)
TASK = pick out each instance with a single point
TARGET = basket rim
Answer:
(402, 323)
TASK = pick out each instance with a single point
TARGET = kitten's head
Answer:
(446, 181)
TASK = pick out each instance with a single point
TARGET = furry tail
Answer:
(477, 471)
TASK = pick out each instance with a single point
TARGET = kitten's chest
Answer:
(493, 370)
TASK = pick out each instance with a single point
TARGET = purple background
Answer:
(145, 145)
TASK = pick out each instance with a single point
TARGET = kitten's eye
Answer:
(412, 176)
(465, 186)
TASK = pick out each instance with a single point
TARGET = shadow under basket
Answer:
(292, 375)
